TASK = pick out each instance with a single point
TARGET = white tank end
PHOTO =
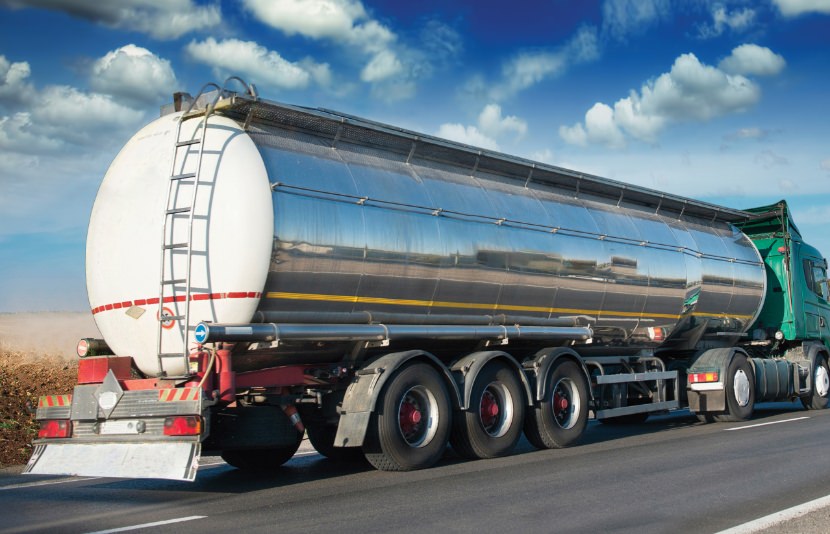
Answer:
(230, 246)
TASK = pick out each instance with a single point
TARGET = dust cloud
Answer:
(45, 333)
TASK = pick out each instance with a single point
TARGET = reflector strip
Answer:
(50, 401)
(179, 394)
(179, 298)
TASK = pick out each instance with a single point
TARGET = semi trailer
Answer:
(261, 271)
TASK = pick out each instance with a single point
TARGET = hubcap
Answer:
(496, 409)
(740, 386)
(418, 416)
(822, 380)
(565, 403)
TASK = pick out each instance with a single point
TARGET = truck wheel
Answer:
(322, 439)
(560, 418)
(492, 425)
(821, 387)
(261, 459)
(740, 391)
(411, 427)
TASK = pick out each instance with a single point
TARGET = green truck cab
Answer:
(797, 303)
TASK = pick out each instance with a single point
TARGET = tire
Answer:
(560, 418)
(739, 391)
(322, 439)
(411, 427)
(492, 425)
(261, 459)
(820, 395)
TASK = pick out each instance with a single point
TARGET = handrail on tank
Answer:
(250, 89)
(200, 93)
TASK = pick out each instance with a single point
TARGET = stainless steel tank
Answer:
(310, 213)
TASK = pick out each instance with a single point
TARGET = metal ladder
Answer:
(167, 286)
(169, 248)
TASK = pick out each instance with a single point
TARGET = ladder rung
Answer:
(174, 282)
(170, 354)
(178, 210)
(165, 318)
(175, 245)
(188, 142)
(186, 176)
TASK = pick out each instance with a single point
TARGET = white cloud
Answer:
(600, 128)
(345, 22)
(317, 19)
(748, 133)
(162, 19)
(621, 18)
(256, 62)
(722, 19)
(383, 65)
(14, 86)
(18, 135)
(751, 59)
(526, 69)
(134, 73)
(469, 135)
(691, 91)
(794, 8)
(493, 125)
(768, 158)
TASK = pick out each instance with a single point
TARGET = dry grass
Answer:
(25, 376)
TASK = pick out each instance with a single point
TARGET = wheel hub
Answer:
(740, 386)
(822, 380)
(410, 416)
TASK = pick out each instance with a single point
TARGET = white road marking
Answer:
(779, 517)
(770, 423)
(46, 483)
(148, 525)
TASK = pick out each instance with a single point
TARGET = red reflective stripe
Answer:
(178, 298)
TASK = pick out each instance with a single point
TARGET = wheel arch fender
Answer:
(713, 359)
(362, 395)
(815, 350)
(538, 367)
(466, 370)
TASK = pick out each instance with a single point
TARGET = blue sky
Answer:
(724, 101)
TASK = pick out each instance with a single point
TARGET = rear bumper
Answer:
(168, 460)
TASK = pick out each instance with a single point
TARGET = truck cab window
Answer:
(820, 281)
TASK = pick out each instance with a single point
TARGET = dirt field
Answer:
(37, 357)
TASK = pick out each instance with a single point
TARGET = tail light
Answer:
(656, 333)
(183, 425)
(55, 428)
(705, 377)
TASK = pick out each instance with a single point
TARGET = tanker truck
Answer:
(261, 271)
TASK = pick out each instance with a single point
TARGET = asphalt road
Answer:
(671, 474)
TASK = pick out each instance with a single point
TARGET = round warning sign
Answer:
(166, 318)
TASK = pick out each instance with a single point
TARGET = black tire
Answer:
(261, 459)
(492, 425)
(739, 391)
(820, 395)
(322, 439)
(411, 426)
(552, 424)
(624, 420)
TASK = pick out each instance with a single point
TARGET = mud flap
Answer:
(173, 461)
